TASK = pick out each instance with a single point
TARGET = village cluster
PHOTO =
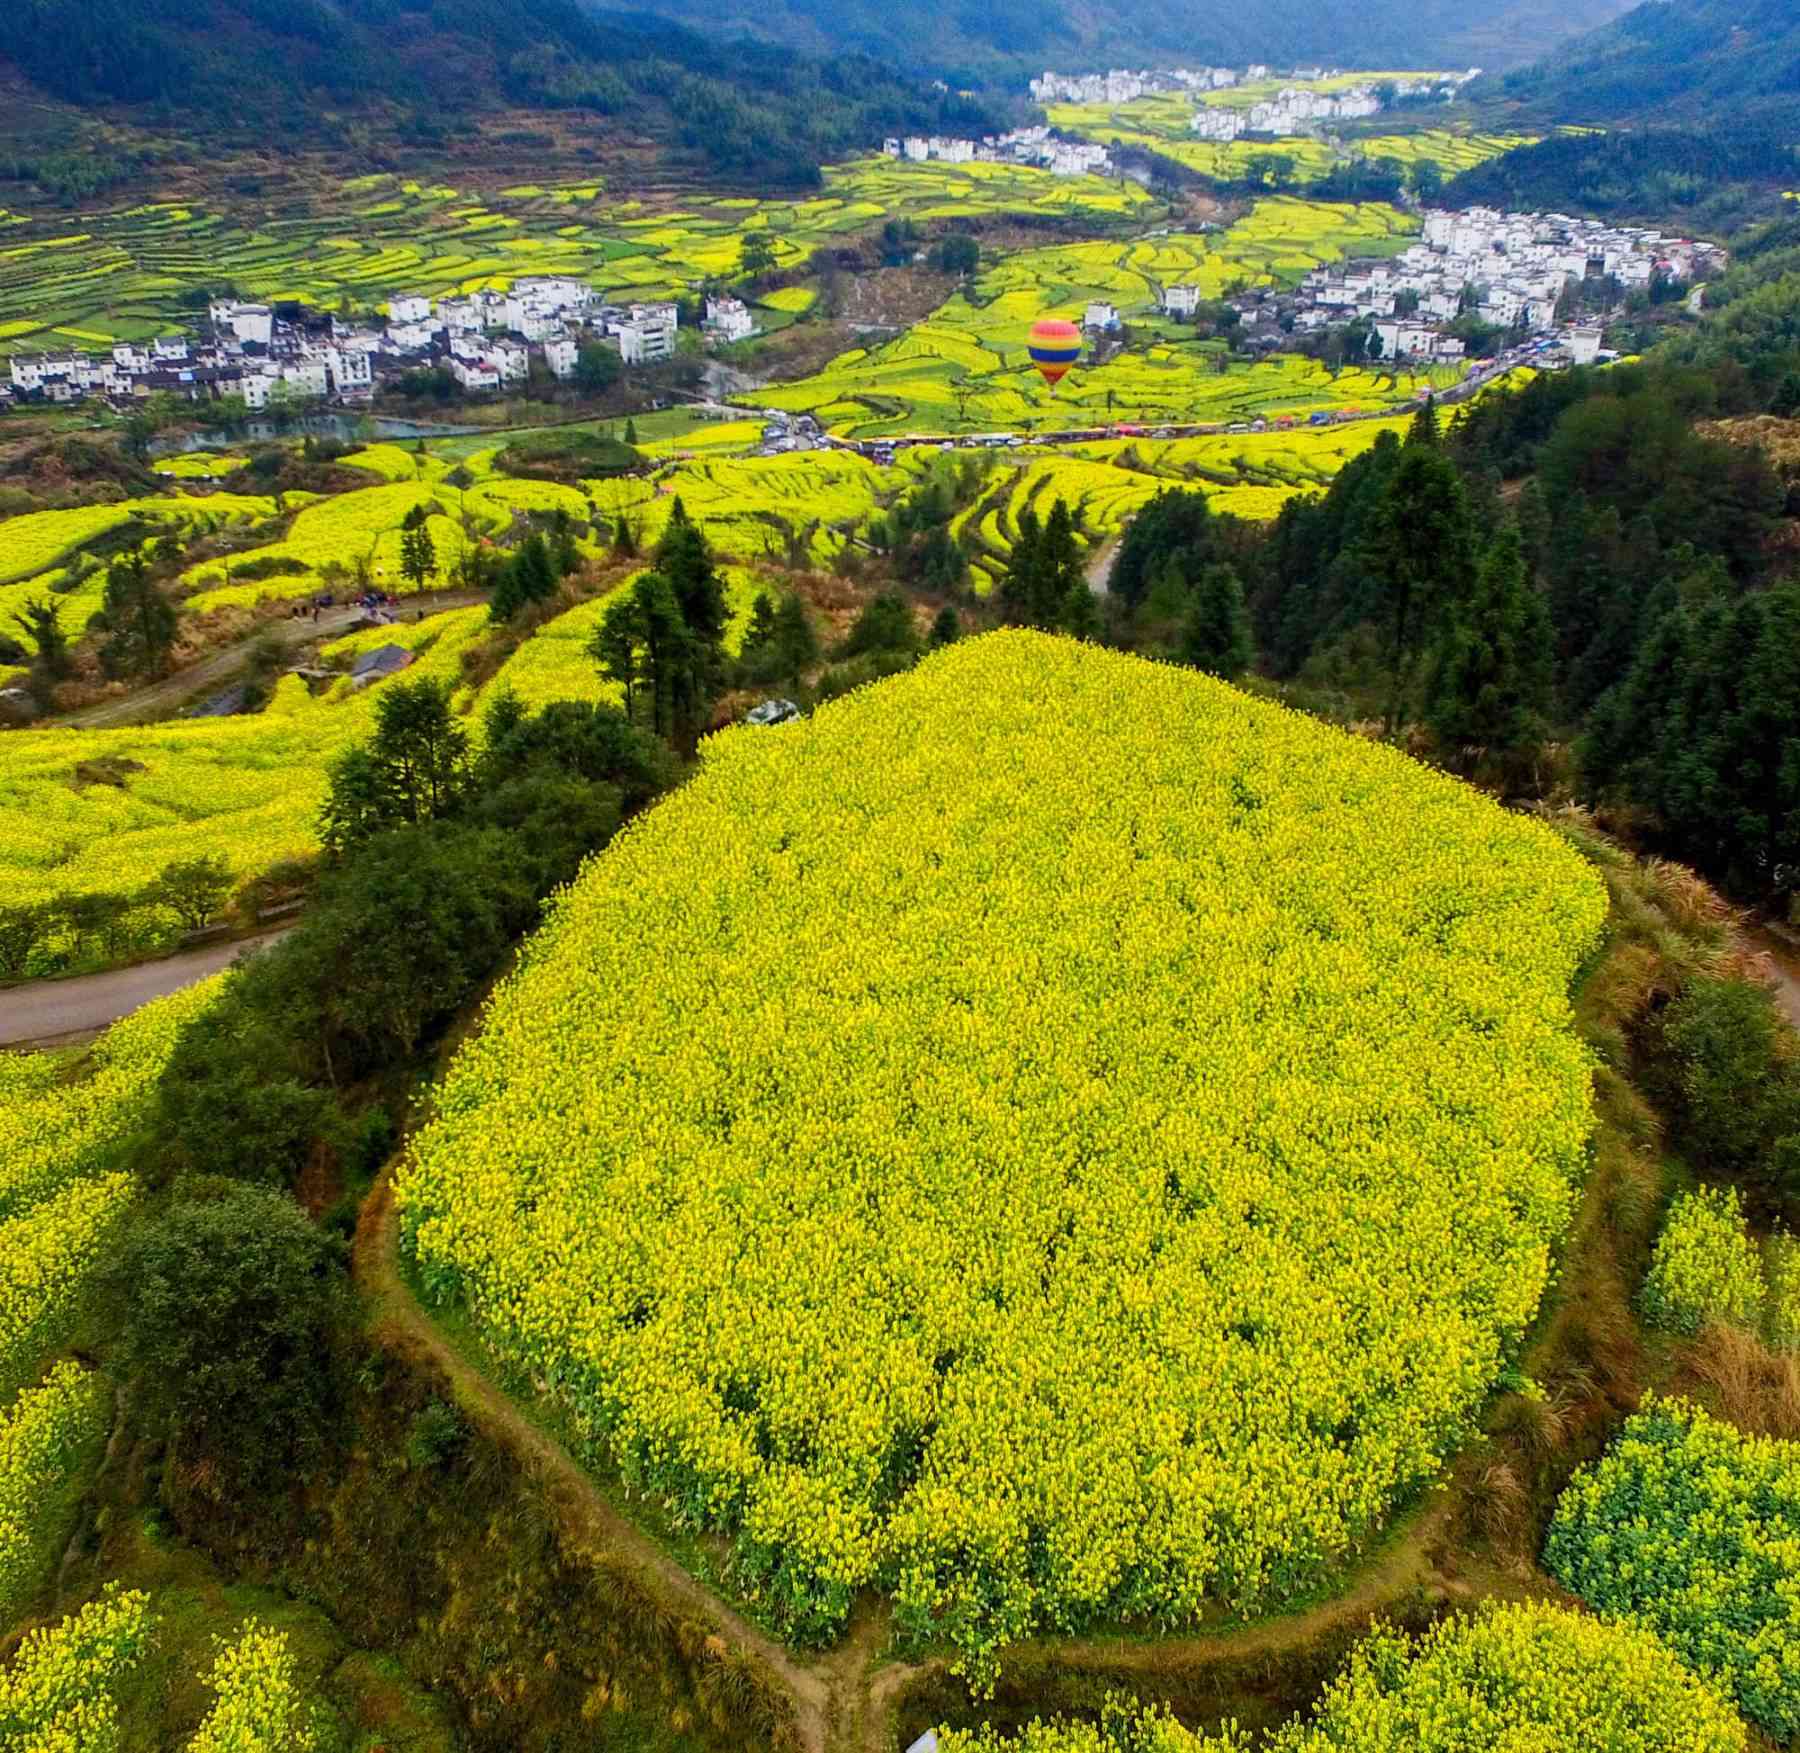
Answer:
(485, 340)
(1510, 270)
(1034, 146)
(1297, 108)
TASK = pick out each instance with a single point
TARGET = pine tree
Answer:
(1490, 682)
(418, 556)
(631, 432)
(617, 647)
(684, 561)
(1058, 570)
(1424, 429)
(1016, 588)
(1215, 637)
(762, 623)
(140, 621)
(946, 629)
(1080, 613)
(794, 639)
(1420, 561)
(41, 623)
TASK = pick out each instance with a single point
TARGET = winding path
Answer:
(50, 1013)
(162, 698)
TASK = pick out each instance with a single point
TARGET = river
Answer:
(349, 428)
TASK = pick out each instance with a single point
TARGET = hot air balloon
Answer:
(1054, 346)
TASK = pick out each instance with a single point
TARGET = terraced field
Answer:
(965, 368)
(1162, 123)
(122, 276)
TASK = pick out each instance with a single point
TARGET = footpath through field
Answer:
(160, 699)
(51, 1013)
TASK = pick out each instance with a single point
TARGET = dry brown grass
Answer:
(1745, 1382)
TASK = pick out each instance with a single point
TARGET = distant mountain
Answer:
(1712, 62)
(286, 71)
(974, 38)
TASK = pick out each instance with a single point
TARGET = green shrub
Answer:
(1691, 1529)
(1704, 1267)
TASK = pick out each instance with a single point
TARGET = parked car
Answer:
(773, 712)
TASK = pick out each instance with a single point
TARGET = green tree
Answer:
(630, 431)
(793, 639)
(235, 1312)
(41, 622)
(412, 770)
(1420, 562)
(597, 367)
(946, 629)
(756, 254)
(139, 621)
(1215, 636)
(1427, 178)
(885, 623)
(684, 560)
(529, 577)
(193, 889)
(761, 628)
(418, 555)
(618, 647)
(1080, 612)
(1491, 672)
(1424, 428)
(958, 254)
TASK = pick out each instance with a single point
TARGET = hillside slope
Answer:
(1733, 61)
(284, 68)
(1014, 35)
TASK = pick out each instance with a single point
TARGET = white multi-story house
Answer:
(170, 349)
(1100, 315)
(408, 308)
(729, 319)
(474, 375)
(306, 377)
(511, 359)
(350, 369)
(1180, 301)
(561, 356)
(641, 344)
(243, 322)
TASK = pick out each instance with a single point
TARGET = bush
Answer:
(1721, 1055)
(1704, 1267)
(1688, 1528)
(234, 1311)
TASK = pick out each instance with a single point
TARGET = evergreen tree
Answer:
(41, 623)
(1058, 571)
(413, 770)
(1177, 520)
(140, 622)
(794, 639)
(1215, 637)
(761, 628)
(418, 556)
(617, 647)
(1080, 613)
(1490, 682)
(685, 563)
(1421, 563)
(1017, 590)
(674, 661)
(946, 629)
(565, 557)
(630, 431)
(624, 539)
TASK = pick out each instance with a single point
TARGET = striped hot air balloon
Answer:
(1054, 346)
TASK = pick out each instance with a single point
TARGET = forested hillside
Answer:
(970, 37)
(1722, 61)
(280, 71)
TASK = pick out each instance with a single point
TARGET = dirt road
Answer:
(56, 1012)
(1099, 567)
(161, 699)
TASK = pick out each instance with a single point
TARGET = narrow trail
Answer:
(816, 1691)
(160, 699)
(1100, 567)
(1780, 950)
(844, 1700)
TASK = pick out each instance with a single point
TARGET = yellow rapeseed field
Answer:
(1050, 1136)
